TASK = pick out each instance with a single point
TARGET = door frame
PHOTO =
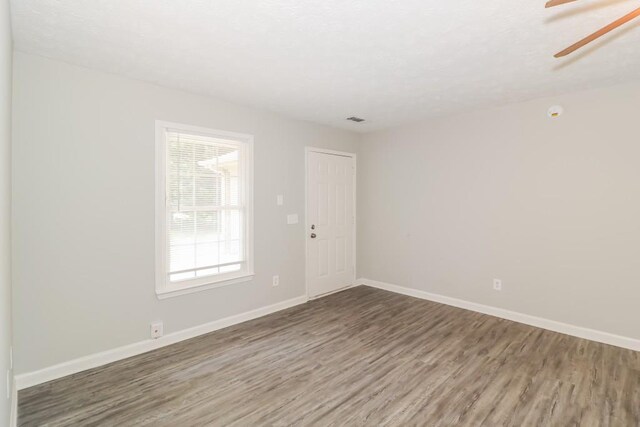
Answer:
(353, 156)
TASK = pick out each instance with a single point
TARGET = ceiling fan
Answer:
(601, 32)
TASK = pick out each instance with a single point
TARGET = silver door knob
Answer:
(313, 235)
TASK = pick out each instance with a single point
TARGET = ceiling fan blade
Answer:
(601, 32)
(552, 3)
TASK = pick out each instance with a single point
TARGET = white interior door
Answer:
(330, 222)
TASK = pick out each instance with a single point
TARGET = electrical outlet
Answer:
(497, 284)
(156, 330)
(276, 280)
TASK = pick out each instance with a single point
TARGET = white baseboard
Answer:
(13, 417)
(552, 325)
(30, 379)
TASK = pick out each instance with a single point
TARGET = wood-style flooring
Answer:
(359, 357)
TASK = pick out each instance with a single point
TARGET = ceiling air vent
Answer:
(355, 119)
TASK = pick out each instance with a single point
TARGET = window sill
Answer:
(177, 291)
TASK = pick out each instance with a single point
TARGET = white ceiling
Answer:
(387, 61)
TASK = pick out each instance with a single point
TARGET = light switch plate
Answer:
(292, 219)
(280, 200)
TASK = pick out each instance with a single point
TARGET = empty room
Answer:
(319, 213)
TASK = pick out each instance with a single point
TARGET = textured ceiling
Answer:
(388, 61)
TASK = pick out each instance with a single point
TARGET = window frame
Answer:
(165, 288)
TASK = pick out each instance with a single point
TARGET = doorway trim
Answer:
(308, 150)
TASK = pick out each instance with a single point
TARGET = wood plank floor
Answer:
(359, 357)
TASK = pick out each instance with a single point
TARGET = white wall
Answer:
(445, 206)
(5, 204)
(551, 207)
(84, 209)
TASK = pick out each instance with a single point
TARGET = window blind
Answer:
(205, 206)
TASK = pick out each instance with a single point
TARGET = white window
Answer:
(203, 208)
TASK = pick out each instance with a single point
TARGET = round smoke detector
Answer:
(555, 112)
